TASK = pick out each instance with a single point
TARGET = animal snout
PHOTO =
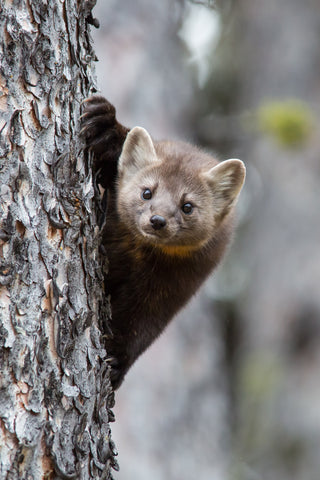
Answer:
(157, 222)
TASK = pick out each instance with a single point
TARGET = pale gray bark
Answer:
(55, 394)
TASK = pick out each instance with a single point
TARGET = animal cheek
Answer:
(178, 217)
(144, 218)
(146, 209)
(173, 226)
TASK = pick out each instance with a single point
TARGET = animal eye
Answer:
(187, 208)
(146, 194)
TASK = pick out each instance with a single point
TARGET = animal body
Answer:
(168, 223)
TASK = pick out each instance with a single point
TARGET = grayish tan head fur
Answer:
(226, 181)
(137, 153)
(175, 175)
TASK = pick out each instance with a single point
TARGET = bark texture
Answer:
(55, 394)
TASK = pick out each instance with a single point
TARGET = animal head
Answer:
(173, 195)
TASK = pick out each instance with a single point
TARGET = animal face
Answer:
(166, 211)
(173, 201)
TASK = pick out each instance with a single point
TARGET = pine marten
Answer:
(168, 223)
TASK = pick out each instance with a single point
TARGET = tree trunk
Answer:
(55, 393)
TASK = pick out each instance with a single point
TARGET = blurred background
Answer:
(231, 390)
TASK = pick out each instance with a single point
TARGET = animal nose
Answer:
(157, 222)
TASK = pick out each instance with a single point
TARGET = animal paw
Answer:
(118, 371)
(98, 116)
(104, 137)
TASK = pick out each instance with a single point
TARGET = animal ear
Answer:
(137, 153)
(226, 180)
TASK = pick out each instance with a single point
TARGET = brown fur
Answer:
(155, 269)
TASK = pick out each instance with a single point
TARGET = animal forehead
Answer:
(180, 179)
(183, 155)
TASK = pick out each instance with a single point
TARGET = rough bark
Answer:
(55, 394)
